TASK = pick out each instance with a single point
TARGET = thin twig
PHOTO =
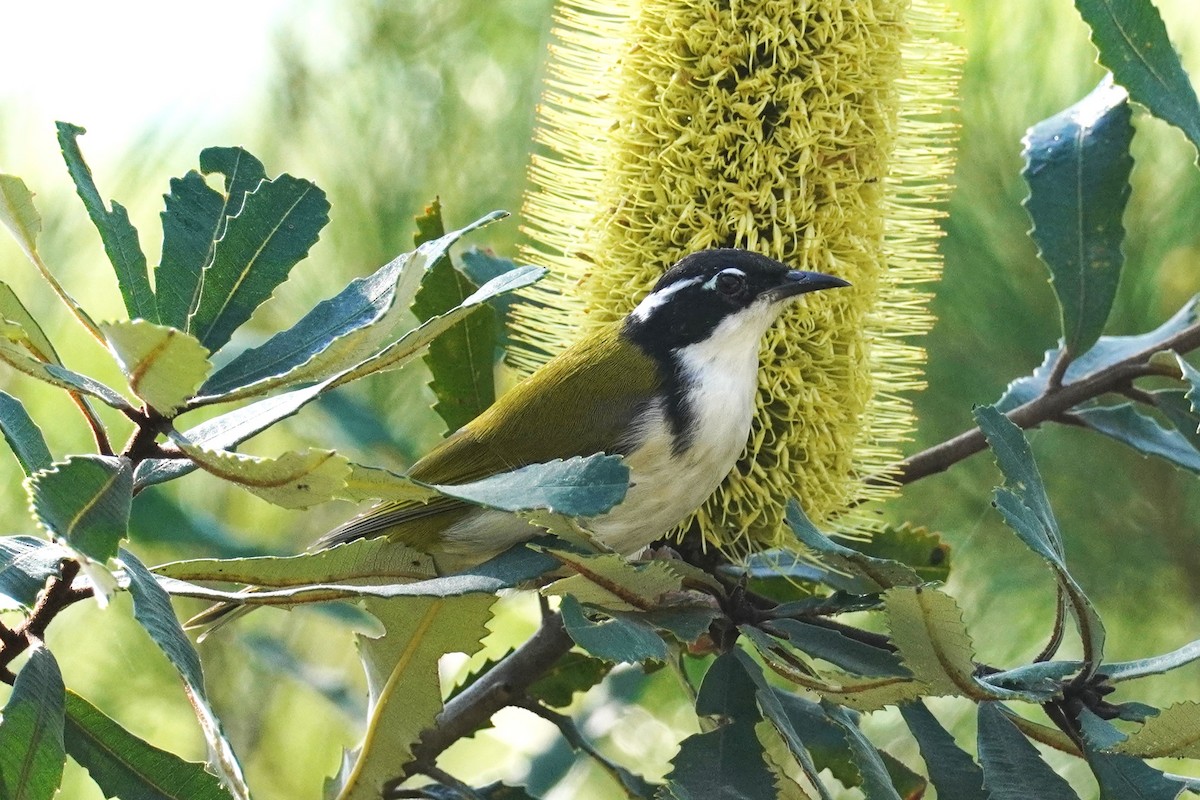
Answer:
(57, 595)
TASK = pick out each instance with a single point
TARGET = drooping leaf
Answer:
(117, 233)
(951, 770)
(85, 501)
(1121, 777)
(927, 628)
(163, 365)
(1012, 768)
(1077, 166)
(1129, 426)
(277, 224)
(1107, 352)
(1155, 665)
(876, 783)
(292, 480)
(25, 564)
(838, 649)
(339, 332)
(1173, 733)
(402, 680)
(189, 222)
(152, 609)
(576, 487)
(23, 435)
(31, 731)
(873, 574)
(124, 766)
(620, 639)
(14, 351)
(13, 310)
(1133, 44)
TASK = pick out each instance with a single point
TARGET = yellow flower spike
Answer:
(803, 129)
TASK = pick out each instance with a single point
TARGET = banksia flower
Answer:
(802, 129)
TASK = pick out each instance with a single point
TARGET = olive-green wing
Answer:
(578, 404)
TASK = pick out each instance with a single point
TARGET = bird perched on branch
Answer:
(670, 388)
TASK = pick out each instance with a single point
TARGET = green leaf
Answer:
(401, 351)
(482, 266)
(18, 213)
(927, 627)
(274, 229)
(876, 783)
(85, 501)
(243, 174)
(953, 773)
(916, 546)
(874, 574)
(1108, 351)
(23, 435)
(25, 564)
(1156, 665)
(152, 609)
(613, 583)
(570, 675)
(402, 681)
(1133, 44)
(339, 332)
(836, 648)
(1129, 426)
(620, 639)
(1012, 768)
(15, 346)
(13, 310)
(31, 732)
(1077, 165)
(189, 222)
(292, 480)
(1173, 733)
(117, 233)
(164, 366)
(376, 483)
(575, 487)
(124, 766)
(1121, 777)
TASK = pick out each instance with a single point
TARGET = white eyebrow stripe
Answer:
(712, 282)
(655, 299)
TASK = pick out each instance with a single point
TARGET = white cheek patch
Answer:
(655, 299)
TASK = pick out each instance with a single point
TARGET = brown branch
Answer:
(57, 595)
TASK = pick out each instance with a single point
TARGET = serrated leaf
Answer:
(31, 731)
(620, 639)
(832, 646)
(1127, 425)
(1012, 768)
(402, 680)
(18, 213)
(13, 310)
(576, 487)
(292, 480)
(23, 435)
(927, 628)
(376, 483)
(25, 564)
(1077, 166)
(1121, 777)
(226, 431)
(242, 172)
(612, 582)
(951, 770)
(402, 350)
(164, 366)
(117, 233)
(339, 332)
(1133, 44)
(277, 224)
(124, 766)
(918, 547)
(1108, 351)
(14, 343)
(877, 574)
(876, 783)
(152, 609)
(1174, 733)
(85, 501)
(190, 219)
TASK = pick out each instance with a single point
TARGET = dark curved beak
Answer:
(797, 282)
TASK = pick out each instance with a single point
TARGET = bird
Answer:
(670, 388)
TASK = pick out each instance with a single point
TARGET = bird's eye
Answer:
(731, 283)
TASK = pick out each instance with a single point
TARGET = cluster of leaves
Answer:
(785, 672)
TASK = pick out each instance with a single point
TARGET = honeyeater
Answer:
(670, 388)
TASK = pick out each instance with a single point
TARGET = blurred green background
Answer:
(386, 105)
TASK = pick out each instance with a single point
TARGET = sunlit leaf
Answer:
(13, 310)
(31, 731)
(25, 564)
(14, 351)
(1155, 665)
(190, 219)
(292, 480)
(613, 583)
(1077, 166)
(85, 501)
(23, 435)
(576, 487)
(1173, 733)
(163, 365)
(927, 627)
(18, 213)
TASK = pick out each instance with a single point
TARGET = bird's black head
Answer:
(744, 290)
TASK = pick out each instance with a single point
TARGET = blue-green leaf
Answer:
(1155, 665)
(1131, 427)
(31, 733)
(124, 766)
(277, 224)
(876, 783)
(1133, 44)
(1121, 777)
(616, 639)
(1077, 165)
(1012, 768)
(152, 609)
(23, 435)
(85, 501)
(869, 574)
(243, 173)
(576, 487)
(25, 564)
(193, 212)
(119, 236)
(953, 773)
(830, 645)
